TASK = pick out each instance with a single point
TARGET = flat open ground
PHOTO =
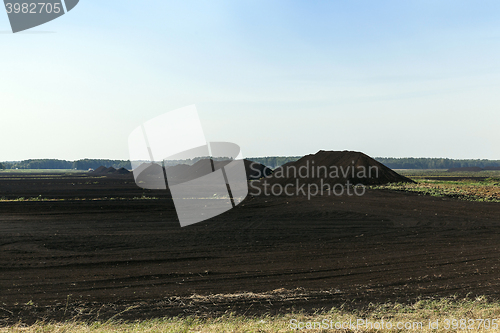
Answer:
(92, 247)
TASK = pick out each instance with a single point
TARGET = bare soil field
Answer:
(87, 247)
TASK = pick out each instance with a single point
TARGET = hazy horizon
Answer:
(248, 157)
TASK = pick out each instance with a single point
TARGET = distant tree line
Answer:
(270, 161)
(192, 161)
(62, 164)
(94, 164)
(274, 161)
(434, 163)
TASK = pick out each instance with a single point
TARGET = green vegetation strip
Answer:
(484, 190)
(40, 198)
(422, 174)
(44, 171)
(443, 315)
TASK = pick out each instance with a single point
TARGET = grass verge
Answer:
(442, 315)
(464, 190)
(470, 186)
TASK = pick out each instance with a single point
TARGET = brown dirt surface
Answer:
(99, 247)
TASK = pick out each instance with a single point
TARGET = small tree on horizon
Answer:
(1, 166)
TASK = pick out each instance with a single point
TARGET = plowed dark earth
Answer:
(128, 258)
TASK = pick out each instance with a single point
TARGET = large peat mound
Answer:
(335, 167)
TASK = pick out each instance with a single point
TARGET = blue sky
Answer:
(389, 78)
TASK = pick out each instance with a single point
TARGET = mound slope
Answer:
(122, 171)
(103, 171)
(335, 167)
(99, 171)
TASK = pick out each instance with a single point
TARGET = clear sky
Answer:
(389, 78)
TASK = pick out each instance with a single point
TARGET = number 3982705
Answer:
(33, 8)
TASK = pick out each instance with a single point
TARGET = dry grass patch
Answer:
(450, 314)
